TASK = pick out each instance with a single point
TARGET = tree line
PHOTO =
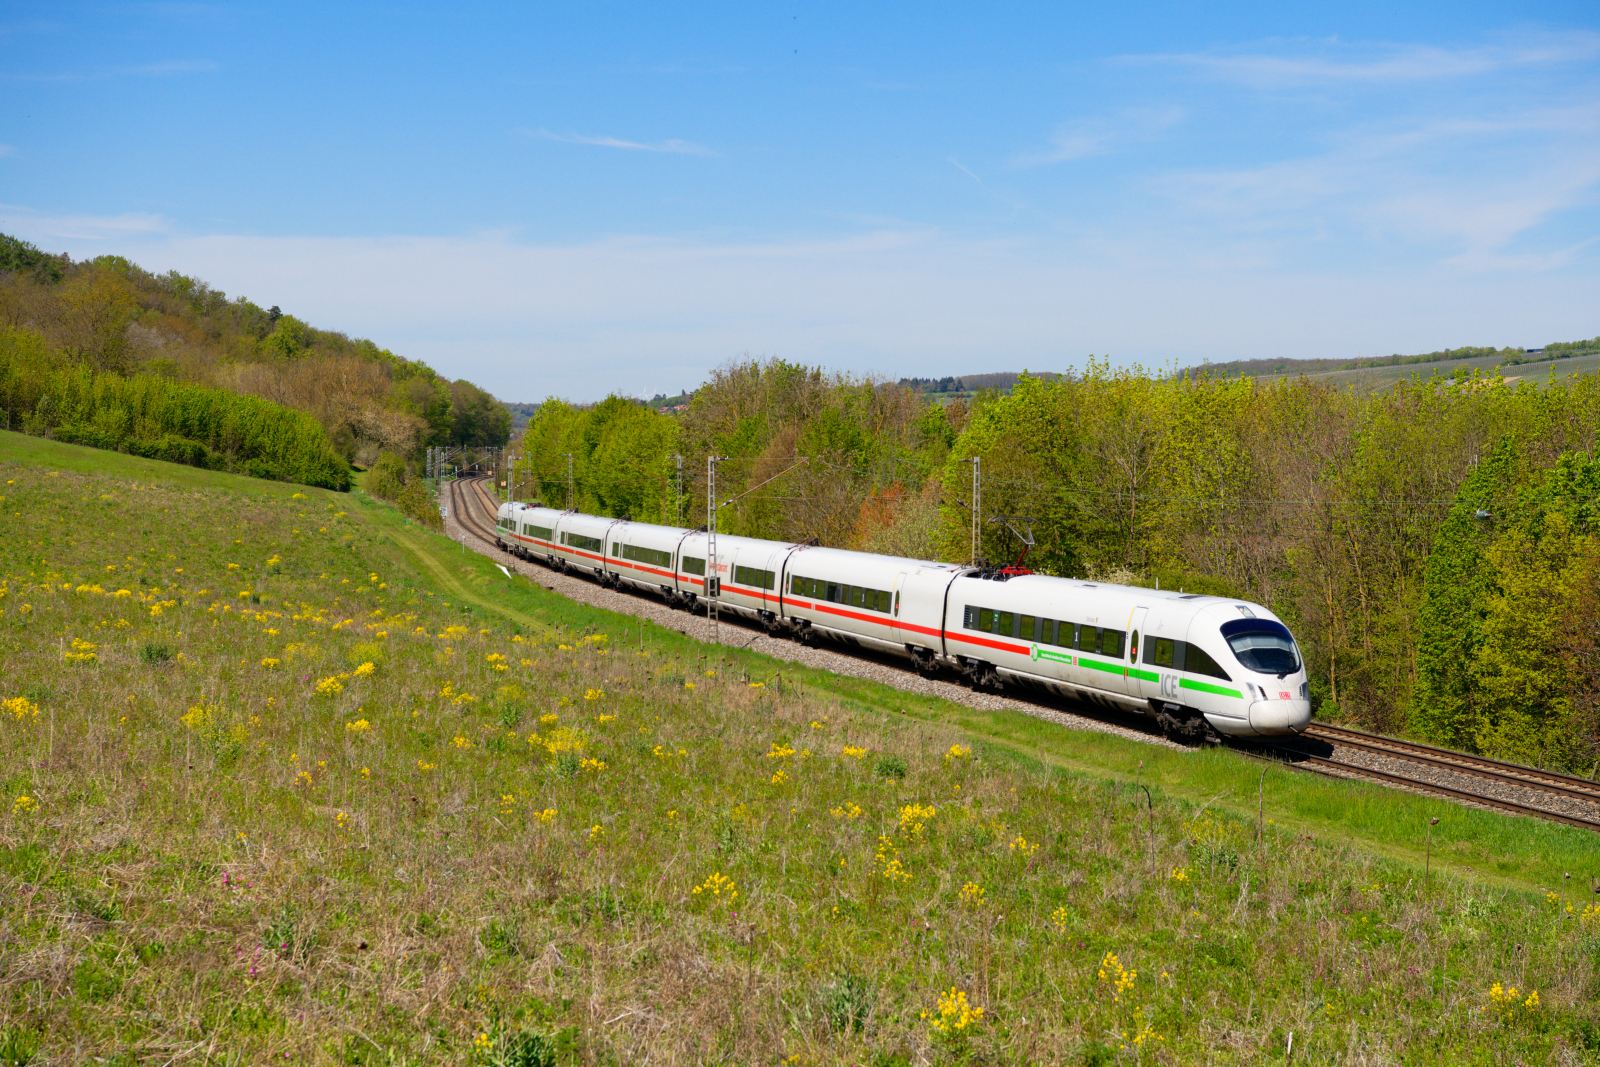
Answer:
(111, 318)
(1355, 516)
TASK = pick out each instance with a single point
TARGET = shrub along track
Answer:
(470, 503)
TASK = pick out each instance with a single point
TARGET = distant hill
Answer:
(968, 384)
(1261, 368)
(110, 317)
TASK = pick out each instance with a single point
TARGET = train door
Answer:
(1132, 672)
(894, 608)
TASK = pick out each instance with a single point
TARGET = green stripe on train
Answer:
(1207, 687)
(1096, 665)
(1143, 676)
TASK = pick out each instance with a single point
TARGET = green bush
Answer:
(389, 479)
(152, 416)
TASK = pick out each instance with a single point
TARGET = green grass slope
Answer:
(285, 778)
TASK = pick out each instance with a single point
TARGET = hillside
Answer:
(361, 799)
(1423, 363)
(952, 387)
(111, 317)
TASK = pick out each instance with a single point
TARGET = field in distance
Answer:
(286, 779)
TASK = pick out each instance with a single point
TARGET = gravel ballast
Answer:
(1427, 774)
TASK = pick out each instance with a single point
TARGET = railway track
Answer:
(469, 502)
(467, 516)
(1538, 793)
(1462, 762)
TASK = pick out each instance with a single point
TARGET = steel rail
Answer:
(1468, 769)
(1466, 763)
(1317, 763)
(465, 515)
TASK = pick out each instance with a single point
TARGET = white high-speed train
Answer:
(1186, 659)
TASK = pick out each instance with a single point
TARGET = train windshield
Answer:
(1262, 645)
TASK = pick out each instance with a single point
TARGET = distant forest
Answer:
(968, 384)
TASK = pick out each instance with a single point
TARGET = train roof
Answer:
(903, 562)
(1113, 587)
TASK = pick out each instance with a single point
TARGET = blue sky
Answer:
(578, 199)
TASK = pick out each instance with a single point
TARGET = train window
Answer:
(1111, 642)
(1197, 661)
(897, 605)
(1266, 647)
(1005, 623)
(542, 532)
(616, 548)
(753, 576)
(593, 544)
(1028, 629)
(1158, 651)
(985, 621)
(693, 566)
(884, 600)
(647, 555)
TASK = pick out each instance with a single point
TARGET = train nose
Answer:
(1280, 716)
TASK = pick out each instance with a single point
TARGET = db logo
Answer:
(1284, 696)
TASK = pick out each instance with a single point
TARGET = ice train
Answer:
(1197, 664)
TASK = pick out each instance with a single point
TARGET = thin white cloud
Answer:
(1287, 64)
(1099, 136)
(182, 11)
(7, 150)
(163, 69)
(14, 219)
(1469, 188)
(174, 66)
(673, 146)
(956, 163)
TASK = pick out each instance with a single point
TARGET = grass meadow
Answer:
(283, 779)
